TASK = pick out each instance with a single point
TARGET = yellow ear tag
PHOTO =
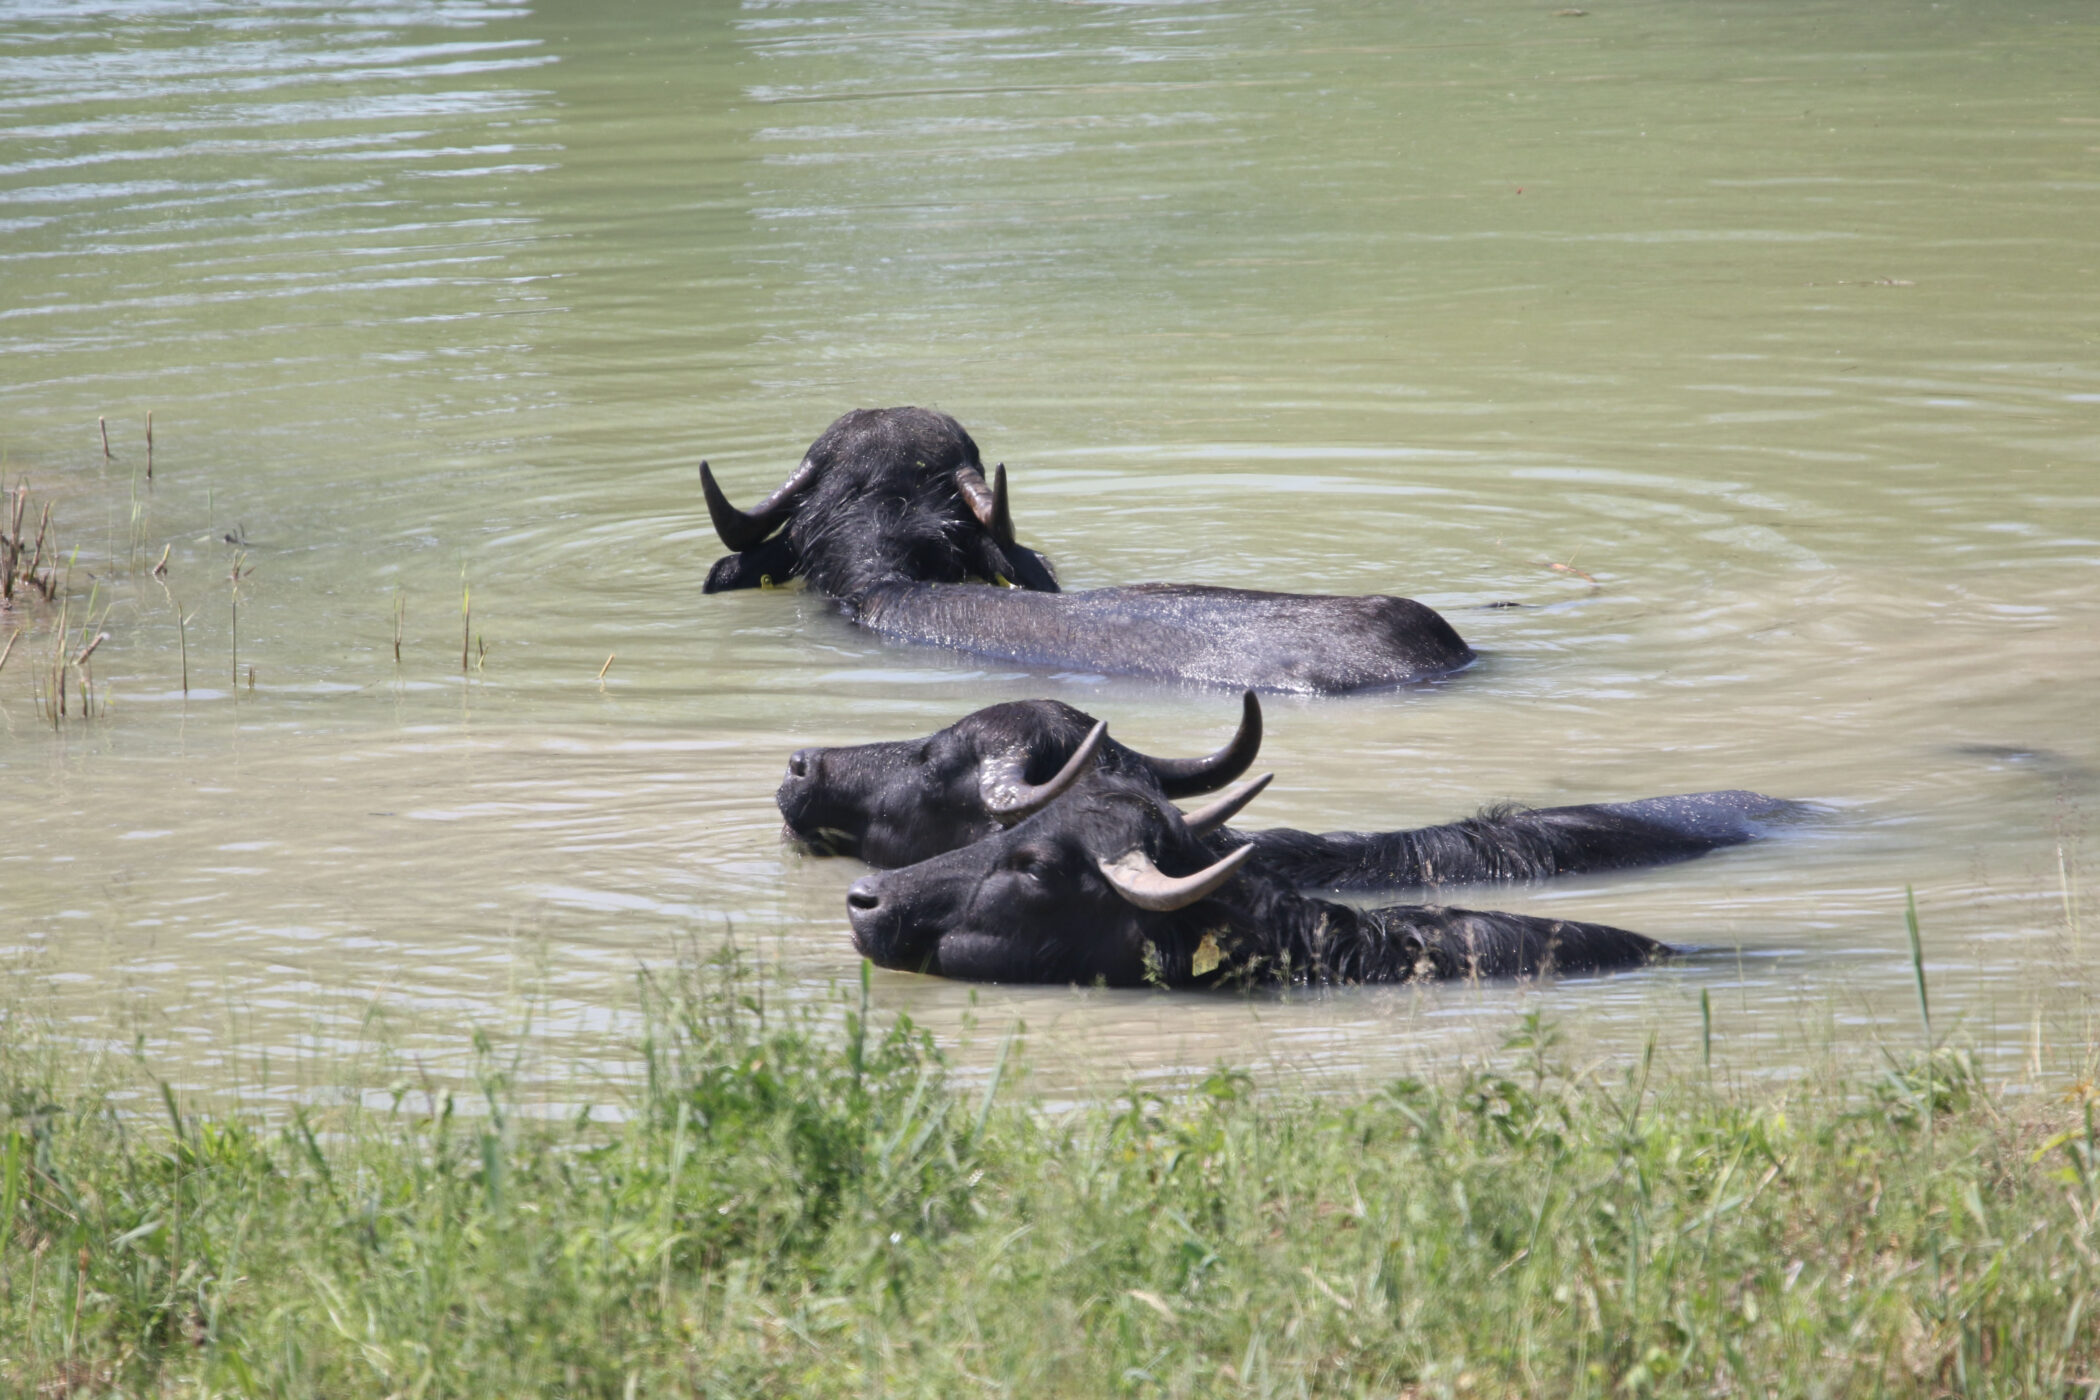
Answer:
(1002, 580)
(765, 582)
(1207, 956)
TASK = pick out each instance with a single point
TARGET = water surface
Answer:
(1752, 350)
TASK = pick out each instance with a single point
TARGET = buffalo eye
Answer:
(1034, 864)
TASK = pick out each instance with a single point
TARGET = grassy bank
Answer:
(802, 1204)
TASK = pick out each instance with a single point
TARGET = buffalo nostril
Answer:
(864, 900)
(798, 765)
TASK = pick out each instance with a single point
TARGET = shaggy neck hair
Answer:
(1510, 843)
(852, 539)
(1255, 931)
(885, 507)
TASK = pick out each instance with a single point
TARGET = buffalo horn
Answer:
(1204, 820)
(1144, 884)
(1186, 777)
(1009, 797)
(987, 503)
(742, 530)
(1002, 526)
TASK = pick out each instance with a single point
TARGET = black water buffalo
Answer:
(897, 803)
(889, 514)
(1110, 884)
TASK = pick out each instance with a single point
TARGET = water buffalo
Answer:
(889, 514)
(897, 803)
(1109, 884)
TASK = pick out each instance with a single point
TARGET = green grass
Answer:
(803, 1204)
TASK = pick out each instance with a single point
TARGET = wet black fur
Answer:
(1300, 643)
(1030, 905)
(899, 802)
(1268, 933)
(1508, 842)
(884, 508)
(883, 529)
(896, 803)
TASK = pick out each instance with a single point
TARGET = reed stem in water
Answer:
(11, 545)
(182, 641)
(233, 579)
(36, 556)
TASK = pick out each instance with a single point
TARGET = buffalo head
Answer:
(885, 495)
(1087, 890)
(896, 803)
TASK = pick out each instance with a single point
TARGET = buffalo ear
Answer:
(1009, 796)
(1031, 570)
(1011, 564)
(774, 562)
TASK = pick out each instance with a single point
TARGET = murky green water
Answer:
(1777, 327)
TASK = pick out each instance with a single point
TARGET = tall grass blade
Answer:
(1706, 1030)
(991, 1086)
(167, 1096)
(859, 1050)
(1917, 967)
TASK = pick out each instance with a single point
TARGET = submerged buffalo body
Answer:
(894, 804)
(1109, 884)
(1185, 632)
(891, 516)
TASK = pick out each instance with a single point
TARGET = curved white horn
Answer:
(1144, 884)
(1009, 797)
(1204, 820)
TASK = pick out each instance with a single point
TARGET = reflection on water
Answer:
(1753, 360)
